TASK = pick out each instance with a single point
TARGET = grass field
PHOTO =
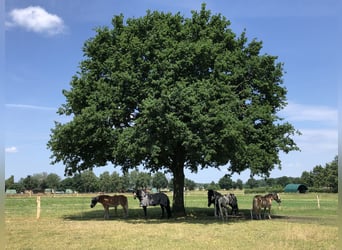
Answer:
(68, 222)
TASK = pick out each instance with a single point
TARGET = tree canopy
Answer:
(168, 93)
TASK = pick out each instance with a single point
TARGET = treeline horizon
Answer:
(320, 179)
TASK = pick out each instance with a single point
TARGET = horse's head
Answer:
(135, 194)
(276, 197)
(211, 197)
(138, 194)
(94, 201)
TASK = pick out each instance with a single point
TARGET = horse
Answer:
(265, 202)
(111, 201)
(147, 199)
(222, 203)
(213, 197)
(233, 203)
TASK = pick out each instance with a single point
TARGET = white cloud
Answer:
(300, 112)
(318, 125)
(11, 150)
(36, 19)
(26, 106)
(318, 140)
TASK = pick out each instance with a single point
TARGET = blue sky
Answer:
(43, 48)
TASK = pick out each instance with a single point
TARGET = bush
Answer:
(320, 190)
(262, 190)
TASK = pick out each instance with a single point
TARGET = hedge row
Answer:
(262, 190)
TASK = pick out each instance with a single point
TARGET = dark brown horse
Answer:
(264, 202)
(111, 201)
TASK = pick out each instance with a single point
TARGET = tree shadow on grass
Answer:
(195, 215)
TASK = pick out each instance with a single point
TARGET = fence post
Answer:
(38, 207)
(318, 205)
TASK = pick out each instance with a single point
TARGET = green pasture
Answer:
(68, 222)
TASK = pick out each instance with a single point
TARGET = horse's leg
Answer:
(162, 208)
(116, 210)
(106, 214)
(217, 208)
(168, 210)
(269, 212)
(255, 212)
(125, 208)
(226, 211)
(221, 212)
(145, 211)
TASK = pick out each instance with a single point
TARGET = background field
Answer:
(68, 222)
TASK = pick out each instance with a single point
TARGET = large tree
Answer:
(168, 93)
(105, 182)
(159, 181)
(53, 181)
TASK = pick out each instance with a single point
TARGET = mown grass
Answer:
(68, 222)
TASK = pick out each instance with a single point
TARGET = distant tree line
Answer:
(88, 182)
(320, 179)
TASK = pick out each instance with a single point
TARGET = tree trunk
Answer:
(178, 208)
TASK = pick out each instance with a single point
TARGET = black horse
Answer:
(147, 199)
(213, 197)
(233, 203)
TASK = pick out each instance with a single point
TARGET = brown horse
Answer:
(264, 202)
(111, 201)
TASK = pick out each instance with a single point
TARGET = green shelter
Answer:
(294, 188)
(11, 191)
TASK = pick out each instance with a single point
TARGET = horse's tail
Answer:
(221, 212)
(255, 206)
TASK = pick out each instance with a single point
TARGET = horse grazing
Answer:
(111, 201)
(214, 196)
(222, 203)
(264, 202)
(147, 199)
